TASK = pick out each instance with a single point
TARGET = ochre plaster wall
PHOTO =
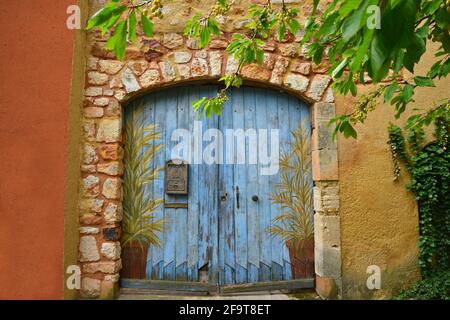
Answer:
(35, 89)
(379, 219)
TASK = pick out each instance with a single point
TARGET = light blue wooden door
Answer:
(222, 229)
(248, 252)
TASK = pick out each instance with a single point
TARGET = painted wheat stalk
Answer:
(139, 222)
(295, 223)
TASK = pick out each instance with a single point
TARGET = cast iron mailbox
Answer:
(176, 177)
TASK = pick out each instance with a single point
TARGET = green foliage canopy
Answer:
(378, 39)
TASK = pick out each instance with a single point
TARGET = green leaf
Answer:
(379, 52)
(121, 44)
(349, 6)
(102, 16)
(281, 32)
(353, 23)
(118, 42)
(260, 56)
(294, 26)
(249, 55)
(423, 81)
(213, 26)
(408, 92)
(337, 72)
(132, 26)
(147, 26)
(362, 51)
(205, 37)
(197, 104)
(390, 91)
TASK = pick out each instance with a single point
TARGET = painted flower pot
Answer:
(134, 260)
(302, 259)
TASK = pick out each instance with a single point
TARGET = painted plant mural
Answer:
(140, 227)
(295, 223)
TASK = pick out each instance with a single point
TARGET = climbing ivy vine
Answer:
(429, 167)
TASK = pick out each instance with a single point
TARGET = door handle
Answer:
(237, 197)
(224, 197)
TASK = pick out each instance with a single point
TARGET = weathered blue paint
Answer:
(233, 243)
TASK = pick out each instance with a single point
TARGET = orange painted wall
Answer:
(35, 77)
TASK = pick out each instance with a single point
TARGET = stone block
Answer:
(97, 78)
(327, 261)
(110, 267)
(256, 72)
(129, 81)
(318, 86)
(297, 82)
(199, 67)
(93, 112)
(109, 130)
(172, 40)
(215, 62)
(111, 168)
(93, 92)
(167, 70)
(322, 135)
(91, 186)
(89, 154)
(88, 249)
(327, 231)
(111, 234)
(150, 78)
(111, 250)
(110, 66)
(111, 152)
(182, 56)
(113, 213)
(91, 205)
(112, 188)
(325, 165)
(89, 230)
(90, 288)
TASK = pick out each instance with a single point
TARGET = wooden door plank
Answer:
(264, 202)
(148, 115)
(213, 186)
(158, 186)
(203, 230)
(193, 209)
(227, 258)
(208, 195)
(181, 236)
(276, 249)
(240, 188)
(170, 103)
(252, 186)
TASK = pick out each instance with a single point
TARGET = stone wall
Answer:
(170, 59)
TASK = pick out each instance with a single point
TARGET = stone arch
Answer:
(111, 84)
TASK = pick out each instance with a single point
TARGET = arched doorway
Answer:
(238, 209)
